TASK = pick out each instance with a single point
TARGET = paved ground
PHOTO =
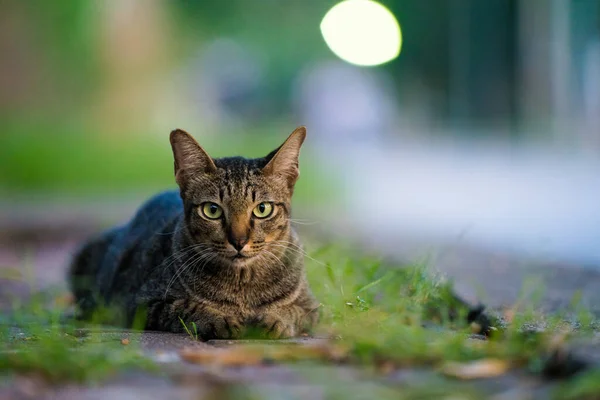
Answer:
(41, 254)
(190, 381)
(180, 380)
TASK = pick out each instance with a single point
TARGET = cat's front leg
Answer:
(182, 315)
(215, 324)
(285, 322)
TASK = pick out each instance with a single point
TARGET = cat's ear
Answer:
(189, 156)
(283, 161)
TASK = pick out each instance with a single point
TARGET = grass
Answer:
(585, 386)
(59, 356)
(191, 330)
(34, 340)
(386, 312)
(382, 314)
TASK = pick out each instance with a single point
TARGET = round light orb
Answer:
(362, 32)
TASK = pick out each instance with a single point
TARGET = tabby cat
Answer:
(220, 253)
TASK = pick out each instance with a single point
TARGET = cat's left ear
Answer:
(283, 162)
(189, 156)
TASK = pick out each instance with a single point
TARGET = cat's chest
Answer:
(242, 297)
(231, 296)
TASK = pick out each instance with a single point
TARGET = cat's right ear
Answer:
(189, 156)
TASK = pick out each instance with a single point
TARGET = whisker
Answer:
(294, 247)
(273, 255)
(303, 222)
(197, 262)
(283, 253)
(175, 257)
(185, 250)
(181, 269)
(186, 265)
(200, 263)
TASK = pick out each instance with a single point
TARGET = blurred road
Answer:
(523, 201)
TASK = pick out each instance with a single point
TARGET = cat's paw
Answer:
(274, 326)
(220, 327)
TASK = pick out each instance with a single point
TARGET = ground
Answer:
(401, 360)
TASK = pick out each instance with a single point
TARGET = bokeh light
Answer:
(362, 32)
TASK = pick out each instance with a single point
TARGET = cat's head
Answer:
(237, 210)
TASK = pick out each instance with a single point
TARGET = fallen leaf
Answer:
(240, 356)
(244, 355)
(323, 352)
(485, 368)
(125, 341)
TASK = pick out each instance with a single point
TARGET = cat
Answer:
(219, 253)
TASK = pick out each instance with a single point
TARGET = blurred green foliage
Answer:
(62, 32)
(66, 160)
(284, 34)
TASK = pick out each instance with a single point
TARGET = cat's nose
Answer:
(237, 234)
(238, 243)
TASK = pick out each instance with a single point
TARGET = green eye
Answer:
(263, 210)
(212, 210)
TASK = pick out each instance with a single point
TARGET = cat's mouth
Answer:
(238, 258)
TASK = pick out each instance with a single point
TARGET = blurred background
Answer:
(432, 124)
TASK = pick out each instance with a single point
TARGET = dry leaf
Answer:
(125, 341)
(485, 368)
(257, 354)
(233, 356)
(324, 352)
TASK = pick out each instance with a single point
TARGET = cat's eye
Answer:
(263, 210)
(211, 210)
